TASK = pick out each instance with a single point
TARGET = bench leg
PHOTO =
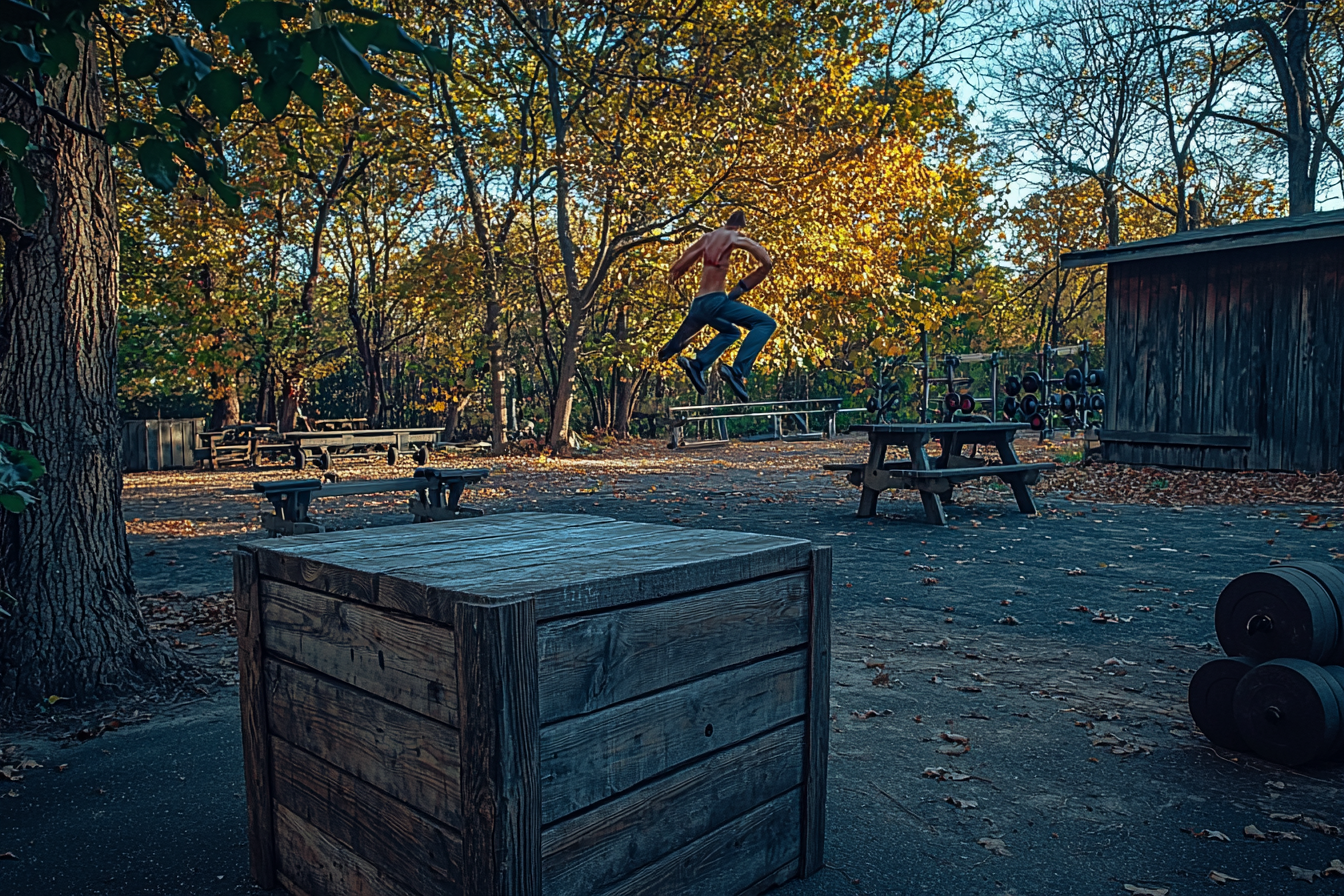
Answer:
(868, 501)
(1025, 502)
(933, 508)
(877, 455)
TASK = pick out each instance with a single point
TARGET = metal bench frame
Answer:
(800, 409)
(438, 493)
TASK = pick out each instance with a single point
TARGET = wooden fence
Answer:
(159, 444)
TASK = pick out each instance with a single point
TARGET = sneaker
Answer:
(693, 373)
(735, 382)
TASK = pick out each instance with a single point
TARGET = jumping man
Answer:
(713, 307)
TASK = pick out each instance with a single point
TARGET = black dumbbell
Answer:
(1289, 711)
(1097, 378)
(1010, 408)
(871, 404)
(1031, 382)
(1068, 403)
(967, 403)
(1073, 379)
(1037, 422)
(1096, 402)
(1012, 385)
(1030, 404)
(952, 401)
(1211, 695)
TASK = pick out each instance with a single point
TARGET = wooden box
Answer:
(530, 704)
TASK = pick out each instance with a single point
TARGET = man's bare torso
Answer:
(716, 247)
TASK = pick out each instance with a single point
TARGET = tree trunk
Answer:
(76, 629)
(225, 411)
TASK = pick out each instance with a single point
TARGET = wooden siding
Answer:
(159, 444)
(1246, 343)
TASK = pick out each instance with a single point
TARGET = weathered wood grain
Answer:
(402, 753)
(776, 878)
(588, 851)
(501, 791)
(405, 844)
(252, 701)
(589, 662)
(313, 863)
(503, 523)
(818, 715)
(406, 661)
(596, 756)
(728, 860)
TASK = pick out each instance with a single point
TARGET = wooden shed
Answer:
(1225, 346)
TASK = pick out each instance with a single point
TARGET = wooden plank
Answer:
(153, 451)
(313, 863)
(611, 842)
(501, 791)
(692, 561)
(728, 860)
(406, 661)
(402, 753)
(590, 662)
(252, 699)
(498, 525)
(606, 844)
(818, 715)
(593, 757)
(1188, 439)
(776, 878)
(405, 844)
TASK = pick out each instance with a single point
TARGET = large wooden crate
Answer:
(532, 704)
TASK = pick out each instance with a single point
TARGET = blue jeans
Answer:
(716, 310)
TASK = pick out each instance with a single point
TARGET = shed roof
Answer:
(1267, 232)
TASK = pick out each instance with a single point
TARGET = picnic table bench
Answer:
(321, 446)
(240, 443)
(936, 477)
(438, 494)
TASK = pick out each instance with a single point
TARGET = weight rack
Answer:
(1080, 400)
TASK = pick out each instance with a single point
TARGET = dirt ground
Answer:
(1008, 692)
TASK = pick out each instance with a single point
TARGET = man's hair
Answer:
(737, 219)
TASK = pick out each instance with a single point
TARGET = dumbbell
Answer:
(1291, 711)
(871, 404)
(1289, 611)
(1096, 401)
(952, 401)
(1073, 379)
(1097, 378)
(1029, 404)
(1010, 408)
(1012, 385)
(1037, 421)
(967, 403)
(1068, 403)
(1031, 381)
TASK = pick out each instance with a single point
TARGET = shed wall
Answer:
(1221, 348)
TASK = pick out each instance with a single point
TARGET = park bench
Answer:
(799, 411)
(232, 444)
(438, 493)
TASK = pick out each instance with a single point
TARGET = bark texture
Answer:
(77, 630)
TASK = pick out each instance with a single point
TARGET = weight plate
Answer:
(952, 401)
(1289, 711)
(422, 455)
(1030, 405)
(1273, 613)
(1073, 379)
(1332, 580)
(1097, 378)
(1012, 385)
(1211, 692)
(967, 404)
(300, 458)
(1031, 382)
(392, 456)
(1037, 422)
(1009, 407)
(1068, 403)
(1337, 673)
(324, 459)
(1097, 401)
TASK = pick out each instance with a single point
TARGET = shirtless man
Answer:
(713, 307)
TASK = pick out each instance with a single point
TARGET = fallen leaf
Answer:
(1136, 890)
(874, 664)
(966, 804)
(954, 738)
(882, 680)
(1305, 874)
(954, 749)
(7, 855)
(928, 580)
(1010, 620)
(995, 845)
(1219, 877)
(1212, 835)
(1315, 824)
(943, 774)
(1254, 832)
(1336, 867)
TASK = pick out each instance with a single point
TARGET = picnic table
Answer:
(438, 493)
(935, 477)
(320, 446)
(239, 443)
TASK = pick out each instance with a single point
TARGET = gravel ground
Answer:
(1008, 699)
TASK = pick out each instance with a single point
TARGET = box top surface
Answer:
(569, 563)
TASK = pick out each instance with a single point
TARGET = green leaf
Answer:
(382, 36)
(123, 130)
(13, 503)
(176, 84)
(440, 60)
(270, 97)
(207, 12)
(14, 139)
(311, 93)
(63, 47)
(29, 200)
(12, 12)
(223, 189)
(16, 55)
(142, 57)
(257, 17)
(354, 68)
(199, 63)
(222, 93)
(7, 420)
(158, 165)
(192, 159)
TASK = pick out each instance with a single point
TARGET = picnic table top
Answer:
(914, 428)
(298, 434)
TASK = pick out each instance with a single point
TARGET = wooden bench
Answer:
(438, 493)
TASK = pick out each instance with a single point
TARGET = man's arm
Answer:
(764, 264)
(688, 258)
